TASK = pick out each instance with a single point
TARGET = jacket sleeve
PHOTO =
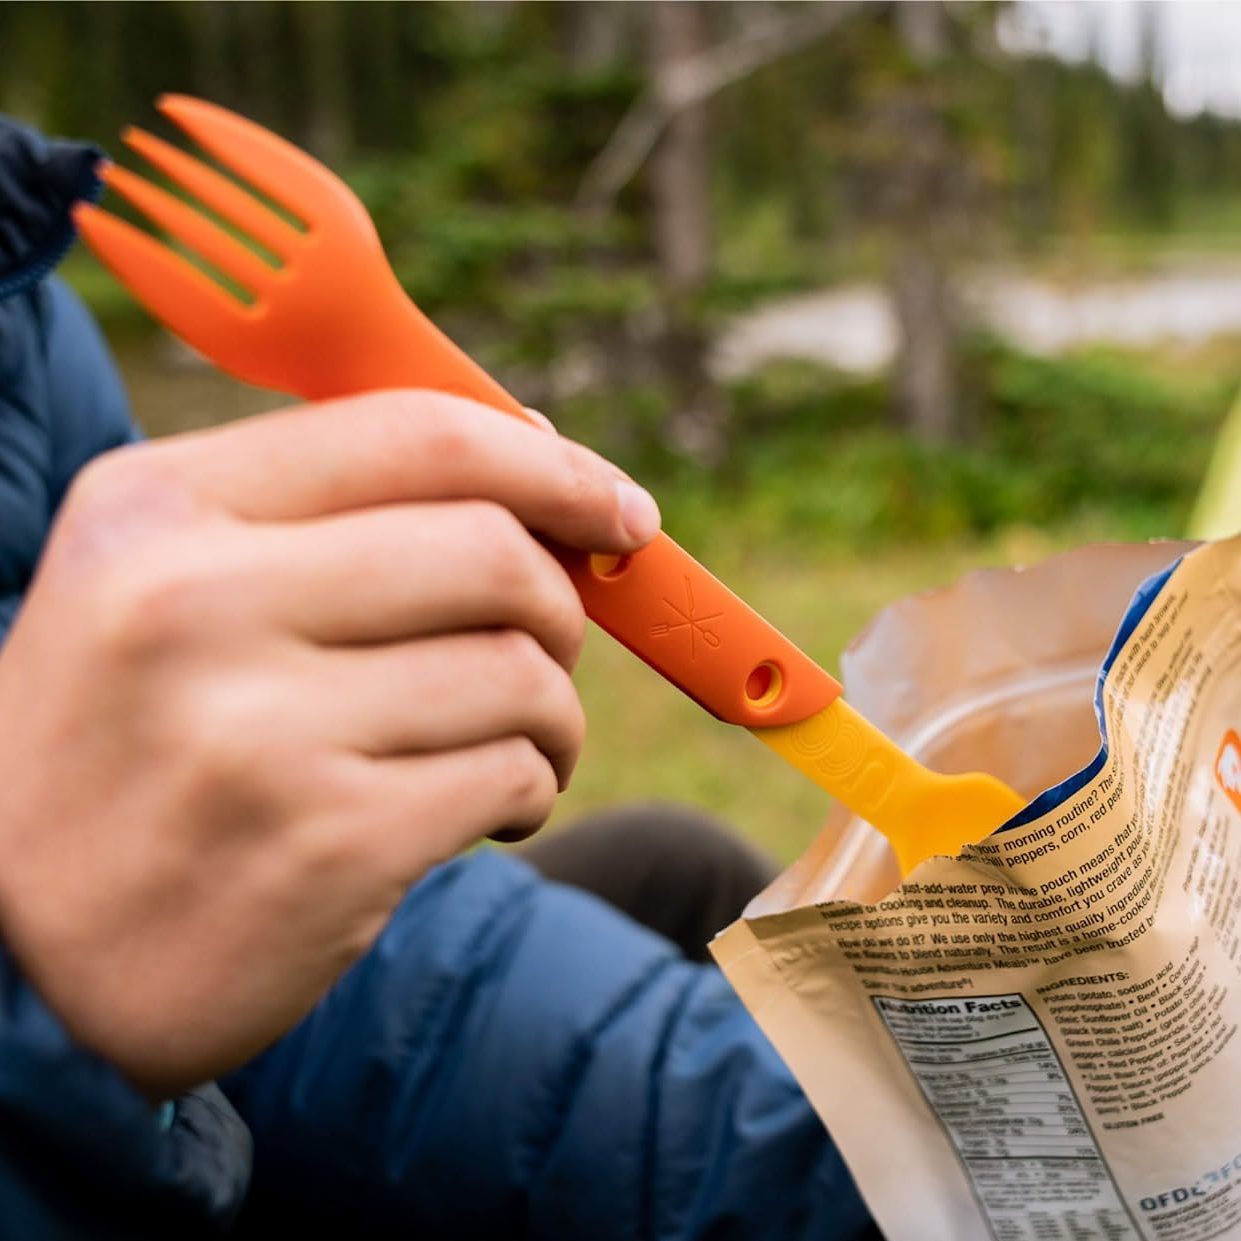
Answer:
(515, 1059)
(61, 403)
(87, 403)
(82, 1153)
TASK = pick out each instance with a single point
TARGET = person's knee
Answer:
(673, 868)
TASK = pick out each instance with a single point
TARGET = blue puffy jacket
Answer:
(512, 1059)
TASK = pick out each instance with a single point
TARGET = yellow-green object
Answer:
(922, 813)
(1217, 513)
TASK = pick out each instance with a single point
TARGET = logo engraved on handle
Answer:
(697, 626)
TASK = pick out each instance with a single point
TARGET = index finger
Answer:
(402, 446)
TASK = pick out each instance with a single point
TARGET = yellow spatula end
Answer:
(922, 813)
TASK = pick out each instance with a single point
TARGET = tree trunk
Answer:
(762, 40)
(258, 48)
(924, 386)
(214, 68)
(329, 132)
(925, 396)
(923, 30)
(680, 169)
(680, 195)
(596, 34)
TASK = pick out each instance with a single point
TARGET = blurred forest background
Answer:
(866, 296)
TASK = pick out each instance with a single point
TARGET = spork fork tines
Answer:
(286, 265)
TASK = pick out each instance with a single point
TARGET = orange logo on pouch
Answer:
(1228, 767)
(697, 625)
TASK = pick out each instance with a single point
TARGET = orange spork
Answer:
(328, 319)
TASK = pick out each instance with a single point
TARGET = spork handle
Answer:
(669, 610)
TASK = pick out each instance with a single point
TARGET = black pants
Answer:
(675, 870)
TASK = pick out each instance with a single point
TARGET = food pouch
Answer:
(1036, 1039)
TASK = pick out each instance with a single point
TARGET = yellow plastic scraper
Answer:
(921, 812)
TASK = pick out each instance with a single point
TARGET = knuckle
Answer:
(550, 607)
(324, 781)
(504, 549)
(570, 621)
(417, 424)
(141, 608)
(499, 525)
(224, 730)
(535, 679)
(133, 486)
(539, 679)
(104, 477)
(582, 487)
(558, 614)
(120, 541)
(445, 438)
(573, 713)
(247, 776)
(448, 427)
(568, 722)
(175, 591)
(524, 661)
(528, 778)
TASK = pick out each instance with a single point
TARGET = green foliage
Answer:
(1098, 441)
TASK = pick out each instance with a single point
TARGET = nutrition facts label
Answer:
(995, 1082)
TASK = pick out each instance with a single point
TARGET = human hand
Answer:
(265, 678)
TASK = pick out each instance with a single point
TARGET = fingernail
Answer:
(639, 512)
